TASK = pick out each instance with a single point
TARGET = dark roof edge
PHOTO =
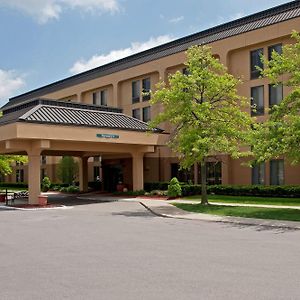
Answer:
(219, 28)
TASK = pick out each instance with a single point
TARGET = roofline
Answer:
(105, 69)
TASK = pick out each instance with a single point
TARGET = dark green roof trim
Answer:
(252, 22)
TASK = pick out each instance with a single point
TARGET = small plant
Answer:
(174, 188)
(46, 183)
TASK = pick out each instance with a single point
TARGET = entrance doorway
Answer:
(112, 175)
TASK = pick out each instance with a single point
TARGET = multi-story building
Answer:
(120, 85)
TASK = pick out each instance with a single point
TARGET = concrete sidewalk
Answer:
(165, 209)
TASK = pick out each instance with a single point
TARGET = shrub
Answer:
(151, 186)
(69, 189)
(131, 193)
(174, 188)
(46, 184)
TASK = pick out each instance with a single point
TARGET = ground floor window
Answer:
(277, 172)
(182, 175)
(96, 173)
(258, 174)
(214, 173)
(20, 175)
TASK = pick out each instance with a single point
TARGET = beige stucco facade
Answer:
(158, 160)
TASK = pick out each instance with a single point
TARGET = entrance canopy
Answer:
(57, 128)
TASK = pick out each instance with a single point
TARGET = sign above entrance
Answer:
(107, 136)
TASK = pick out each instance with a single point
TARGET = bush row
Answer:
(233, 190)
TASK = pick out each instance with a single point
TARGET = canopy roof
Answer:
(45, 111)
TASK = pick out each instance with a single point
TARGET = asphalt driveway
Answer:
(118, 250)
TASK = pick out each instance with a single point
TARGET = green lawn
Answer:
(248, 200)
(11, 189)
(286, 214)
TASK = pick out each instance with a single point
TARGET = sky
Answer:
(42, 41)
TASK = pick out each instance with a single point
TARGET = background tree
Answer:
(280, 135)
(205, 110)
(67, 170)
(6, 161)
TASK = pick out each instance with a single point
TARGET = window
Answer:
(103, 97)
(146, 114)
(277, 48)
(214, 172)
(96, 173)
(135, 91)
(185, 71)
(100, 98)
(186, 175)
(136, 113)
(20, 175)
(146, 88)
(276, 172)
(275, 94)
(43, 173)
(255, 61)
(43, 159)
(96, 158)
(19, 163)
(258, 174)
(257, 101)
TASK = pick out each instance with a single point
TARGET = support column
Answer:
(83, 174)
(138, 171)
(34, 177)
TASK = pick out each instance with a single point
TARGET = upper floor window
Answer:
(135, 91)
(146, 89)
(100, 98)
(255, 61)
(275, 94)
(185, 71)
(277, 172)
(136, 113)
(257, 101)
(274, 48)
(258, 174)
(146, 114)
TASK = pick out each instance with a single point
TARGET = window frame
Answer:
(139, 113)
(261, 111)
(271, 86)
(146, 89)
(271, 48)
(147, 108)
(278, 179)
(135, 98)
(254, 73)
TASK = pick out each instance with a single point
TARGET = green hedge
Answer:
(151, 186)
(14, 185)
(234, 190)
(256, 190)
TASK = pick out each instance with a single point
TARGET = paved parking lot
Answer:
(119, 250)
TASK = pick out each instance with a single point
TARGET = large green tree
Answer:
(280, 135)
(205, 110)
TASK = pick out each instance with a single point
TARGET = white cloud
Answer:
(45, 10)
(10, 83)
(101, 59)
(176, 20)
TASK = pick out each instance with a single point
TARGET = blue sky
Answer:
(46, 40)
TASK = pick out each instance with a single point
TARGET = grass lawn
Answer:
(248, 200)
(12, 189)
(286, 214)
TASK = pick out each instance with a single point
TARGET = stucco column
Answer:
(34, 177)
(138, 171)
(83, 174)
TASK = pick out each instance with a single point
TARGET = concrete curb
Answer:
(225, 220)
(35, 208)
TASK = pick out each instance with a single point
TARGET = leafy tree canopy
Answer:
(204, 109)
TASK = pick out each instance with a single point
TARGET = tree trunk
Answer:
(204, 200)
